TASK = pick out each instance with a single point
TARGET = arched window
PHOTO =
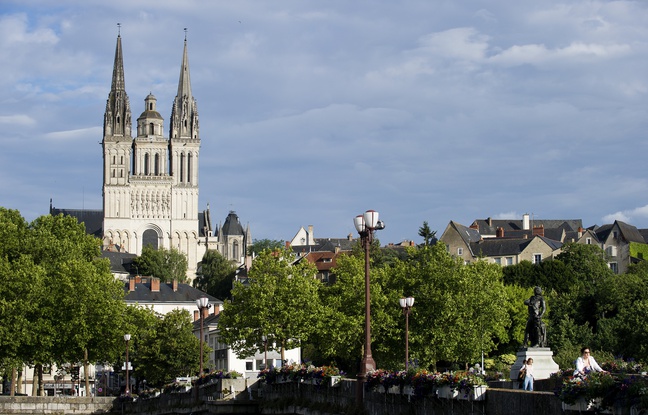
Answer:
(182, 167)
(152, 128)
(189, 167)
(157, 164)
(235, 251)
(150, 238)
(146, 164)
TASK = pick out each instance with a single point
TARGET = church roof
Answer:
(93, 219)
(232, 225)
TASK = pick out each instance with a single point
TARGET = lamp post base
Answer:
(367, 365)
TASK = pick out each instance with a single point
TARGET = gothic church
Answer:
(150, 182)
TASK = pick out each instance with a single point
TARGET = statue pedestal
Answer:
(543, 363)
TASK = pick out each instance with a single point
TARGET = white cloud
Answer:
(538, 54)
(629, 216)
(19, 119)
(73, 135)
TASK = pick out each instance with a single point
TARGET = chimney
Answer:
(311, 239)
(500, 232)
(538, 230)
(131, 284)
(580, 232)
(155, 285)
(175, 285)
(196, 315)
(474, 226)
(526, 222)
(248, 262)
(350, 237)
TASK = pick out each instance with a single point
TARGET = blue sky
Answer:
(312, 112)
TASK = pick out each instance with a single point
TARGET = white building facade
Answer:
(150, 182)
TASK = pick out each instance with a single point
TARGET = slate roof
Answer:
(628, 232)
(492, 247)
(210, 321)
(489, 226)
(469, 235)
(232, 226)
(326, 245)
(93, 219)
(120, 262)
(644, 233)
(185, 293)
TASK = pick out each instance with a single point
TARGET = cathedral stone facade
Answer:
(150, 181)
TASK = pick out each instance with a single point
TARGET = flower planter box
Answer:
(477, 393)
(182, 389)
(581, 405)
(446, 392)
(335, 380)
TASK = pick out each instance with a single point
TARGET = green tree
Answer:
(260, 245)
(165, 264)
(70, 297)
(280, 302)
(427, 234)
(340, 333)
(216, 275)
(164, 346)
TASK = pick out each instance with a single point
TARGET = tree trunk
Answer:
(35, 382)
(14, 377)
(41, 389)
(283, 353)
(19, 382)
(86, 372)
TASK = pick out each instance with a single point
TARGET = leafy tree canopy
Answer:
(165, 264)
(280, 302)
(216, 275)
(260, 245)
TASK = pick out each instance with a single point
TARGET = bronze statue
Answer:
(535, 333)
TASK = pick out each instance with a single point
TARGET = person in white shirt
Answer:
(586, 363)
(528, 378)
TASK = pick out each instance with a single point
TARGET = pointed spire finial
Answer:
(118, 29)
(185, 30)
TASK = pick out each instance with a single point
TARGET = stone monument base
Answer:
(543, 363)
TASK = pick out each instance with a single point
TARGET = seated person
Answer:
(586, 363)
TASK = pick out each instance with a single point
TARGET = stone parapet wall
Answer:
(55, 405)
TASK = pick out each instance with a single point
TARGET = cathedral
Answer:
(150, 181)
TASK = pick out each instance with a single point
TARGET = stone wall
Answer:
(55, 405)
(237, 396)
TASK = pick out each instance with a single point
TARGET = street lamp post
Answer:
(366, 224)
(127, 338)
(265, 348)
(406, 304)
(203, 304)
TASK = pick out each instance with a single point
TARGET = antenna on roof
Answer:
(118, 29)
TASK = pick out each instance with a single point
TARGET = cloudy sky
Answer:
(312, 112)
